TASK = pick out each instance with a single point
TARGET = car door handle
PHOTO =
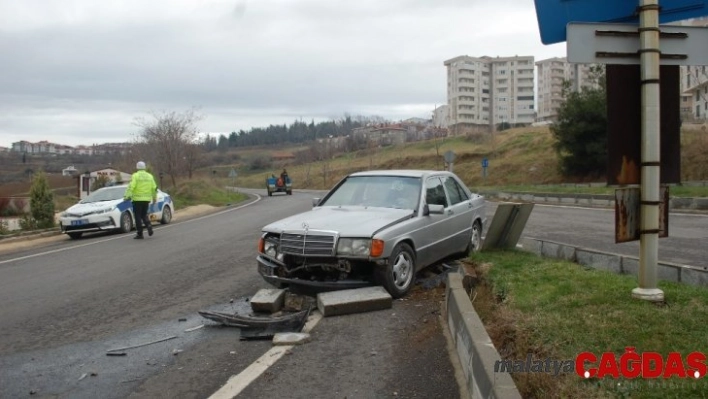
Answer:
(469, 204)
(450, 212)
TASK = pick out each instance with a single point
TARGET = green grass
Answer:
(198, 192)
(559, 309)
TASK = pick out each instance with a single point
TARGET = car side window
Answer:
(456, 193)
(434, 192)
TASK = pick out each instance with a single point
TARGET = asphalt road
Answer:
(69, 302)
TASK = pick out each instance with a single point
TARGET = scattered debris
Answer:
(296, 303)
(194, 328)
(291, 338)
(139, 345)
(260, 327)
(33, 391)
(183, 319)
(116, 354)
(176, 351)
(93, 374)
(83, 376)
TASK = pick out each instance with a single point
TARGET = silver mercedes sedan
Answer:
(374, 228)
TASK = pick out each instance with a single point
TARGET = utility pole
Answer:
(650, 161)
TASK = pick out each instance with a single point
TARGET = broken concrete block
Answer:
(291, 338)
(357, 300)
(268, 300)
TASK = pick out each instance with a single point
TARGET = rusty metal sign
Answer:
(628, 211)
(624, 124)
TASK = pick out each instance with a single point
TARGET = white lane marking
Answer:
(240, 381)
(123, 235)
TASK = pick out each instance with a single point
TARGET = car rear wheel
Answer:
(75, 235)
(166, 215)
(397, 275)
(126, 222)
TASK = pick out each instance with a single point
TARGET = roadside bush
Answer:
(260, 162)
(100, 182)
(41, 202)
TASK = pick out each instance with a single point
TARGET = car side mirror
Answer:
(315, 201)
(434, 209)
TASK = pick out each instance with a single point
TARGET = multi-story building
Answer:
(552, 73)
(441, 116)
(694, 84)
(484, 92)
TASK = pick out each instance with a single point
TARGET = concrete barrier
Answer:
(473, 345)
(591, 200)
(621, 264)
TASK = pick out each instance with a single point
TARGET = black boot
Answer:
(149, 228)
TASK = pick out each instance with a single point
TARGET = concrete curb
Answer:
(620, 264)
(473, 345)
(591, 200)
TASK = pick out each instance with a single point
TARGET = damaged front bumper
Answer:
(269, 271)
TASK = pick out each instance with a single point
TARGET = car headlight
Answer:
(270, 249)
(101, 211)
(354, 246)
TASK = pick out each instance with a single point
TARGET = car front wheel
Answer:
(397, 275)
(126, 222)
(475, 243)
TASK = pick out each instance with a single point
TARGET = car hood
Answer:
(347, 221)
(86, 209)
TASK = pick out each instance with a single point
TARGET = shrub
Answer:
(41, 203)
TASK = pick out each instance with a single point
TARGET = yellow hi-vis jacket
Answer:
(142, 187)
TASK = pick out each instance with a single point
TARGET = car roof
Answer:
(399, 172)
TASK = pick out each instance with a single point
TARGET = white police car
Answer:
(105, 209)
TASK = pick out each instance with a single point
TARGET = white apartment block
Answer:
(484, 92)
(694, 84)
(441, 116)
(551, 74)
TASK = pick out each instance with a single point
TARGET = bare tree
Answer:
(168, 139)
(192, 157)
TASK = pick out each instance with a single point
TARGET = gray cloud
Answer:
(78, 67)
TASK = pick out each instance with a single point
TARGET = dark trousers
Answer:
(140, 209)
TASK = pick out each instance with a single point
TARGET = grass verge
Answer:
(197, 192)
(557, 309)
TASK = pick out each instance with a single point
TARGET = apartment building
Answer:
(45, 147)
(552, 72)
(694, 84)
(485, 92)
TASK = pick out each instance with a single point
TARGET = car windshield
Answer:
(380, 191)
(104, 194)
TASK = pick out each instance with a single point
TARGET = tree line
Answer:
(296, 133)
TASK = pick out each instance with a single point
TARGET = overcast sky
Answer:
(81, 71)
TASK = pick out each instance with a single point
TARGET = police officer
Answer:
(142, 190)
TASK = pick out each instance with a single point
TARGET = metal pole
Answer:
(649, 224)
